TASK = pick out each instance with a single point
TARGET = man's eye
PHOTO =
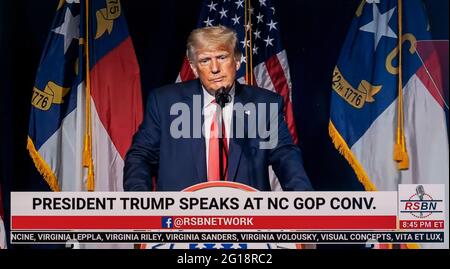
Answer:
(205, 61)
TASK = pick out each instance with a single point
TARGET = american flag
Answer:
(264, 61)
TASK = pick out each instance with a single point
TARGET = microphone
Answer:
(420, 192)
(222, 96)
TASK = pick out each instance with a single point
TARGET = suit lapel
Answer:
(236, 143)
(198, 152)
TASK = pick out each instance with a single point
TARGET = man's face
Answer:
(216, 67)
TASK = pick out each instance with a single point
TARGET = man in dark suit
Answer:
(183, 149)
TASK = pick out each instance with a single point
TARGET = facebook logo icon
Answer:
(167, 222)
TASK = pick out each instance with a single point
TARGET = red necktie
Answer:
(213, 155)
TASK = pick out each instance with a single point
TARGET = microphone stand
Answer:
(222, 97)
(221, 146)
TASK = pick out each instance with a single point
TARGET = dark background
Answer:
(312, 31)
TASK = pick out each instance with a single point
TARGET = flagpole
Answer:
(251, 43)
(403, 164)
(245, 43)
(87, 153)
(400, 152)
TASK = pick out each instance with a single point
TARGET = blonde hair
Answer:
(213, 36)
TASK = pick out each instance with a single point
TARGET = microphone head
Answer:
(222, 96)
(420, 191)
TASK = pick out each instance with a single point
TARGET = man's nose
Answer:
(215, 66)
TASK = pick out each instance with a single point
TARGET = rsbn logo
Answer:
(421, 204)
(167, 222)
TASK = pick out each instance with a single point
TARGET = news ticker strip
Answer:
(46, 237)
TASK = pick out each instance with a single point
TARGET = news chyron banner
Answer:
(232, 215)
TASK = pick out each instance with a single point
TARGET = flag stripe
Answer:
(2, 235)
(62, 152)
(108, 164)
(436, 90)
(116, 92)
(262, 77)
(186, 72)
(282, 58)
(280, 82)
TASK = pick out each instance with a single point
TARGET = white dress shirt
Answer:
(209, 108)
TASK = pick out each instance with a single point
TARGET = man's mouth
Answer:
(217, 79)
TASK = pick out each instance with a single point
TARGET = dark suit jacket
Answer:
(180, 163)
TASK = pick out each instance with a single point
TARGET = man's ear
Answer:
(238, 64)
(194, 69)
